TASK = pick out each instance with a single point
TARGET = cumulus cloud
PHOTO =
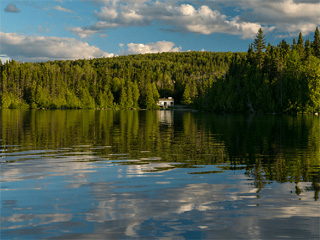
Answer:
(285, 16)
(161, 46)
(182, 18)
(11, 8)
(207, 17)
(285, 12)
(40, 48)
(61, 9)
(204, 20)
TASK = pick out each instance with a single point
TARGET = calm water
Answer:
(86, 174)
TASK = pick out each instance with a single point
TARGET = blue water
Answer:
(173, 175)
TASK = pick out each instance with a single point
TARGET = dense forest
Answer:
(282, 79)
(271, 79)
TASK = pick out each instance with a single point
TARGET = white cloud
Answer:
(207, 17)
(82, 32)
(290, 16)
(204, 20)
(183, 18)
(285, 16)
(107, 14)
(161, 46)
(40, 48)
(61, 9)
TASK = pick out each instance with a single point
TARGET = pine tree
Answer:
(259, 45)
(136, 94)
(300, 45)
(316, 43)
(130, 100)
(149, 102)
(186, 99)
(294, 44)
(250, 54)
(123, 98)
(307, 51)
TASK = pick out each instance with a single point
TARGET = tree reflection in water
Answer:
(269, 148)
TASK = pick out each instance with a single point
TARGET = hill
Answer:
(282, 79)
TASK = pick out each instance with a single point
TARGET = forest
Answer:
(268, 79)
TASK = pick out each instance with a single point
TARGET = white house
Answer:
(166, 102)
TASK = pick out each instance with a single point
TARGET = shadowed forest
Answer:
(268, 79)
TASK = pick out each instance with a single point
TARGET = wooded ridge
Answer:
(269, 79)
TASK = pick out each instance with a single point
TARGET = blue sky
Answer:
(42, 30)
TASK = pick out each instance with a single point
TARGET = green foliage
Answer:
(186, 99)
(73, 102)
(279, 79)
(86, 99)
(259, 46)
(259, 43)
(10, 100)
(316, 43)
(151, 97)
(126, 82)
(105, 99)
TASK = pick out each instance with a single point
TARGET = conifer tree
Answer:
(130, 100)
(149, 101)
(136, 94)
(316, 43)
(250, 54)
(307, 51)
(186, 99)
(259, 45)
(300, 45)
(123, 98)
(294, 44)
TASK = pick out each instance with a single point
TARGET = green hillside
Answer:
(283, 79)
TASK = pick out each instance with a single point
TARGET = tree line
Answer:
(270, 79)
(125, 82)
(282, 79)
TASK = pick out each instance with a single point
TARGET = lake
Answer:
(103, 174)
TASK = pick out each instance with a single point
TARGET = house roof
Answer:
(166, 99)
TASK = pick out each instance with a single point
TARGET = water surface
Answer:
(90, 174)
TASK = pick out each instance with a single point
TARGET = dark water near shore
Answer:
(87, 174)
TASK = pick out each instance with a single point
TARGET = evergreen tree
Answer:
(316, 43)
(123, 99)
(275, 79)
(130, 101)
(300, 45)
(259, 45)
(294, 44)
(135, 95)
(307, 50)
(149, 102)
(186, 99)
(156, 95)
